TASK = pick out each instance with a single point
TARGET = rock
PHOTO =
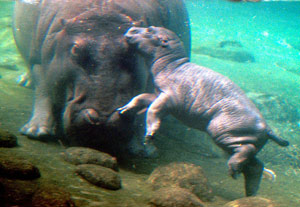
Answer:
(230, 43)
(17, 168)
(251, 202)
(277, 108)
(16, 192)
(52, 196)
(183, 175)
(174, 197)
(100, 176)
(7, 139)
(236, 54)
(83, 155)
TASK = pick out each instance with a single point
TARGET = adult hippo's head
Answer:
(100, 74)
(87, 72)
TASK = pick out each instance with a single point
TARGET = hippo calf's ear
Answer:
(164, 41)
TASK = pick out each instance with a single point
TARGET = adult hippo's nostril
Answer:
(91, 116)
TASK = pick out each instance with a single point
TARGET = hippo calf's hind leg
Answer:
(252, 171)
(240, 156)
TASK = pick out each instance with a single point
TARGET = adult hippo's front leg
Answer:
(41, 123)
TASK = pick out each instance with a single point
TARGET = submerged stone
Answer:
(7, 139)
(52, 196)
(183, 175)
(175, 197)
(100, 176)
(16, 192)
(236, 54)
(17, 168)
(251, 202)
(83, 155)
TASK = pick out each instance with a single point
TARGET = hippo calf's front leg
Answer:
(138, 103)
(156, 111)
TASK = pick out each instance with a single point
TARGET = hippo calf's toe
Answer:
(202, 99)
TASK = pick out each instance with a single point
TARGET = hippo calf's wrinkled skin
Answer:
(81, 67)
(202, 99)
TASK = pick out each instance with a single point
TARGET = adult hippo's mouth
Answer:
(93, 128)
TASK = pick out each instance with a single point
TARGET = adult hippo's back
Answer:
(81, 67)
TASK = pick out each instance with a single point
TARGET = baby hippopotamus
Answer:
(202, 99)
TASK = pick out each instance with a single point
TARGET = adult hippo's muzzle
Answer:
(91, 123)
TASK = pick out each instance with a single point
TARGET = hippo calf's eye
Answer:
(134, 31)
(75, 50)
(150, 29)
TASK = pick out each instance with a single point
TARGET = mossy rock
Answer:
(251, 202)
(16, 192)
(52, 196)
(100, 176)
(83, 155)
(175, 197)
(7, 139)
(17, 168)
(183, 175)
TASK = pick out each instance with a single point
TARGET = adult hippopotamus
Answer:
(81, 67)
(202, 99)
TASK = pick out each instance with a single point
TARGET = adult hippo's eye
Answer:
(82, 55)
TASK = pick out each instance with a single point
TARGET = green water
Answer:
(270, 32)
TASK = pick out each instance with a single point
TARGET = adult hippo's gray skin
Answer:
(81, 67)
(202, 99)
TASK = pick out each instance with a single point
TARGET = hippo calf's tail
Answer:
(277, 139)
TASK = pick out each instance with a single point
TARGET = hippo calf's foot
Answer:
(239, 158)
(149, 147)
(253, 173)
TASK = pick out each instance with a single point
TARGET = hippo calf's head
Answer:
(155, 42)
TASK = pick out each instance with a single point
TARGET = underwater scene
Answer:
(64, 143)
